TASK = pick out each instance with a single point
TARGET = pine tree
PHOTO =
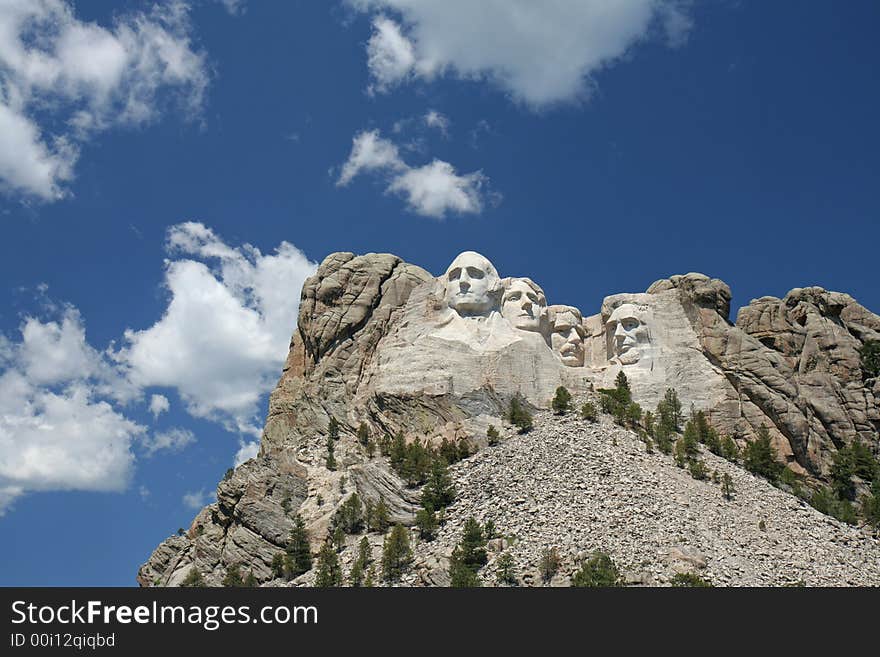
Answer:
(562, 401)
(519, 416)
(363, 434)
(370, 579)
(669, 410)
(489, 531)
(329, 570)
(426, 521)
(871, 505)
(380, 519)
(842, 471)
(870, 358)
(649, 423)
(233, 577)
(299, 554)
(760, 456)
(549, 564)
(396, 553)
(680, 453)
(333, 429)
(193, 578)
(473, 545)
(350, 516)
(438, 492)
(460, 575)
(621, 383)
(597, 570)
(729, 450)
(727, 488)
(251, 580)
(365, 551)
(588, 412)
(278, 565)
(398, 450)
(356, 575)
(633, 414)
(664, 438)
(691, 440)
(492, 435)
(505, 570)
(330, 463)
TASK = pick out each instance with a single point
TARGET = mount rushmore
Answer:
(384, 343)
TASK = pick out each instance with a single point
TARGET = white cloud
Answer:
(225, 333)
(159, 404)
(59, 429)
(540, 52)
(390, 55)
(60, 441)
(197, 499)
(247, 450)
(234, 7)
(430, 190)
(434, 119)
(221, 343)
(435, 188)
(63, 79)
(173, 440)
(370, 152)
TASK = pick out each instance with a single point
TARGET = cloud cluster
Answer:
(540, 52)
(62, 80)
(430, 190)
(59, 425)
(225, 333)
(65, 406)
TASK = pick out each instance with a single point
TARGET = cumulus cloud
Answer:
(173, 440)
(220, 343)
(225, 333)
(248, 450)
(434, 119)
(159, 404)
(197, 499)
(540, 52)
(59, 427)
(63, 79)
(390, 55)
(430, 190)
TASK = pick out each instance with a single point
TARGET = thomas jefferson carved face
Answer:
(472, 285)
(629, 332)
(524, 305)
(568, 335)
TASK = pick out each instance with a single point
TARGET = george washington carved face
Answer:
(473, 286)
(524, 305)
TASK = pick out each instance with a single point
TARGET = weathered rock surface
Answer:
(379, 341)
(580, 487)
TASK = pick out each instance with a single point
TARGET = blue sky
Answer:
(170, 173)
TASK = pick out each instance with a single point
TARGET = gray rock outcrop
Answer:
(384, 343)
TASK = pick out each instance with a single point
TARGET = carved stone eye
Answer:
(455, 274)
(473, 272)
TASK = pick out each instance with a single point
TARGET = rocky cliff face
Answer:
(384, 343)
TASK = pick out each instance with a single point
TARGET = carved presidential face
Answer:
(524, 305)
(629, 332)
(472, 285)
(568, 335)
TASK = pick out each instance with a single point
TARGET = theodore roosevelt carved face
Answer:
(628, 328)
(568, 335)
(524, 305)
(473, 286)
